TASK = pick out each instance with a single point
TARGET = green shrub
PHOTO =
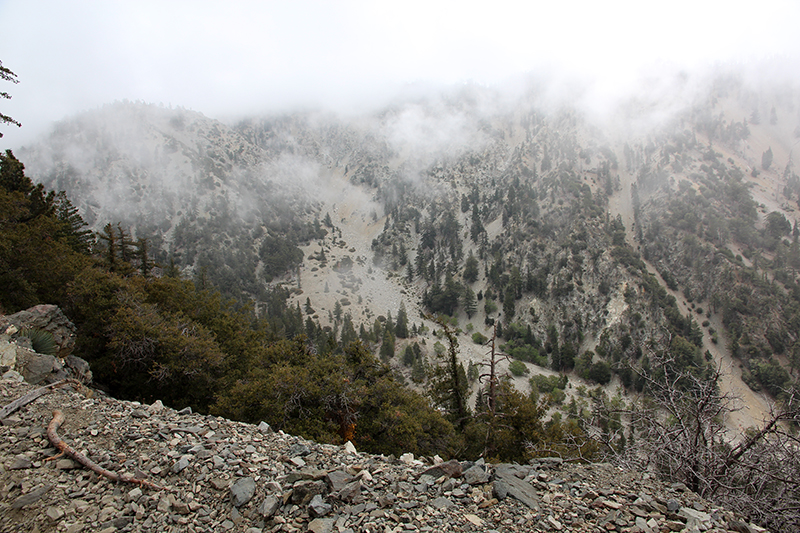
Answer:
(518, 368)
(479, 338)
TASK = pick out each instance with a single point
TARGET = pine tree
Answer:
(470, 304)
(401, 325)
(144, 260)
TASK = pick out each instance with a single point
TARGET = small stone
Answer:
(269, 506)
(242, 491)
(185, 411)
(66, 464)
(473, 519)
(673, 506)
(31, 497)
(139, 413)
(442, 503)
(407, 458)
(181, 464)
(134, 494)
(350, 448)
(318, 507)
(20, 462)
(298, 462)
(155, 407)
(54, 513)
(558, 526)
(265, 428)
(477, 475)
(320, 525)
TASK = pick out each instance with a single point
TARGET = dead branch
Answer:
(31, 396)
(63, 447)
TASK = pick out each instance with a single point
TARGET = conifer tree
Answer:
(401, 325)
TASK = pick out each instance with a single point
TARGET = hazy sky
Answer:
(229, 58)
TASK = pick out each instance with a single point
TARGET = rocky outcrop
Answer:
(18, 354)
(222, 475)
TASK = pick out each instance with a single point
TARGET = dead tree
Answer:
(681, 434)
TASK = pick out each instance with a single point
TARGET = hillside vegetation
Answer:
(460, 274)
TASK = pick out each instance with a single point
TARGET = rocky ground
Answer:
(220, 475)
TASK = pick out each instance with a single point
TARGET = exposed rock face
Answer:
(17, 353)
(234, 477)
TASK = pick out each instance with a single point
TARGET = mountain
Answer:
(594, 241)
(544, 274)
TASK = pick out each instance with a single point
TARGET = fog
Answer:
(240, 58)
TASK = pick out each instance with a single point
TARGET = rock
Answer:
(350, 448)
(54, 513)
(48, 318)
(37, 368)
(303, 491)
(20, 463)
(320, 525)
(242, 491)
(79, 369)
(449, 469)
(338, 479)
(673, 505)
(506, 483)
(476, 475)
(350, 492)
(407, 458)
(265, 428)
(181, 464)
(317, 507)
(13, 375)
(269, 506)
(31, 497)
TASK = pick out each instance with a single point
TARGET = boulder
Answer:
(47, 318)
(17, 352)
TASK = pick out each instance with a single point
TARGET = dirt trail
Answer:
(748, 408)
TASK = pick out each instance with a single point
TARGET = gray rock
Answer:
(350, 491)
(180, 464)
(506, 483)
(449, 469)
(48, 318)
(14, 376)
(318, 508)
(20, 463)
(442, 503)
(673, 506)
(477, 475)
(31, 497)
(269, 506)
(263, 427)
(242, 491)
(303, 491)
(320, 525)
(338, 479)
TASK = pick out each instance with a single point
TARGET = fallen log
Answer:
(22, 401)
(63, 447)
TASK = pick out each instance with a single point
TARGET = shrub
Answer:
(479, 338)
(518, 368)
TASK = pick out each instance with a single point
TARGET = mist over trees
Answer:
(627, 264)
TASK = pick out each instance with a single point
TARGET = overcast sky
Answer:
(229, 58)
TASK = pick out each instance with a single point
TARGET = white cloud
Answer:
(236, 57)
